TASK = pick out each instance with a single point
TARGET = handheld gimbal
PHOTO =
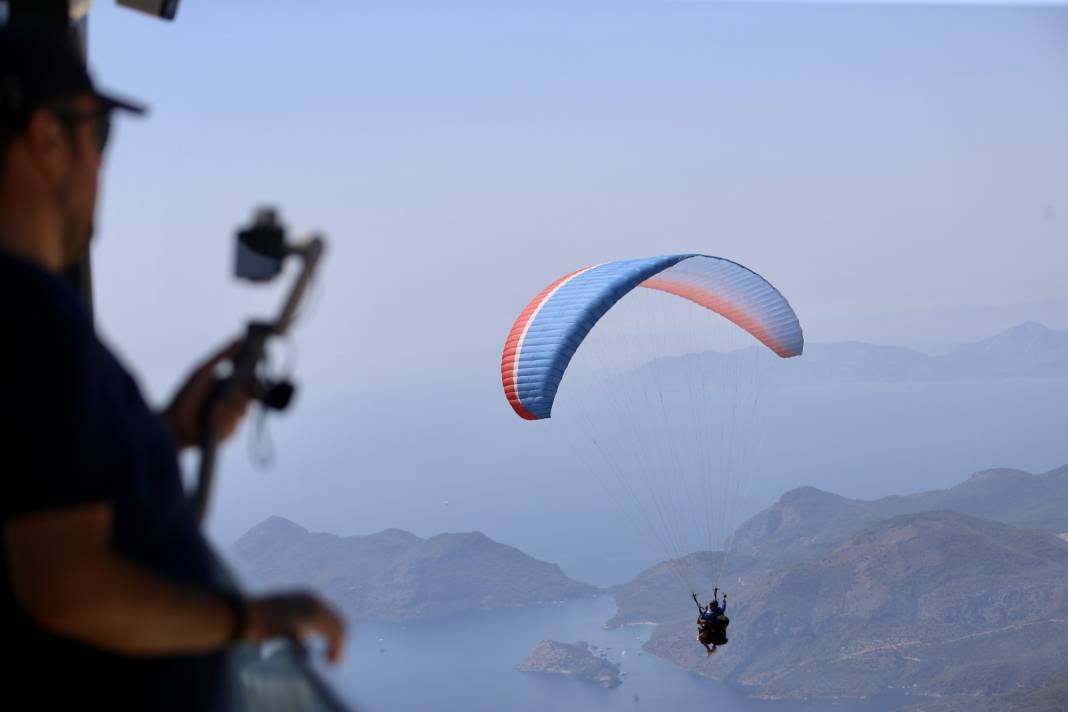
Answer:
(262, 248)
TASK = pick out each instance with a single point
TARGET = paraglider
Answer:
(712, 622)
(653, 416)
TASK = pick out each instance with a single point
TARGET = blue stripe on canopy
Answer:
(565, 320)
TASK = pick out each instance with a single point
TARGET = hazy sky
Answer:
(868, 160)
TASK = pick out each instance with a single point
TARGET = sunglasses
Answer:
(101, 119)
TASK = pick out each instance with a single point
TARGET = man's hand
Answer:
(185, 413)
(295, 615)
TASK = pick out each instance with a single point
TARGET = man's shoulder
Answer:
(49, 350)
(39, 312)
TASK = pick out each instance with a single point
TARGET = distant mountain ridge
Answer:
(1028, 350)
(808, 522)
(396, 575)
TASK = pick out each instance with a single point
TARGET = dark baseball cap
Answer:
(38, 65)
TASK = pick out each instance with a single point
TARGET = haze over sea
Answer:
(519, 485)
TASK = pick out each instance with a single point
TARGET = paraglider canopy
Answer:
(550, 329)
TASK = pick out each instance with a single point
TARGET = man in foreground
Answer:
(108, 589)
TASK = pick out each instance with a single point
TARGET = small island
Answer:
(571, 660)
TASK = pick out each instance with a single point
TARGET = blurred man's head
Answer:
(54, 126)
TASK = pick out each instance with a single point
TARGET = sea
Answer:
(468, 663)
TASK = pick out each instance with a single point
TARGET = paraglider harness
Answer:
(261, 251)
(712, 629)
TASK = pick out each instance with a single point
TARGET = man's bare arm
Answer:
(72, 583)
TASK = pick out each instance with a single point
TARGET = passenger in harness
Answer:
(712, 622)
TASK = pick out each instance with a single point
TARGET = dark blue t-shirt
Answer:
(74, 430)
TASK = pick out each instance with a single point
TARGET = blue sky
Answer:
(869, 160)
(863, 158)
